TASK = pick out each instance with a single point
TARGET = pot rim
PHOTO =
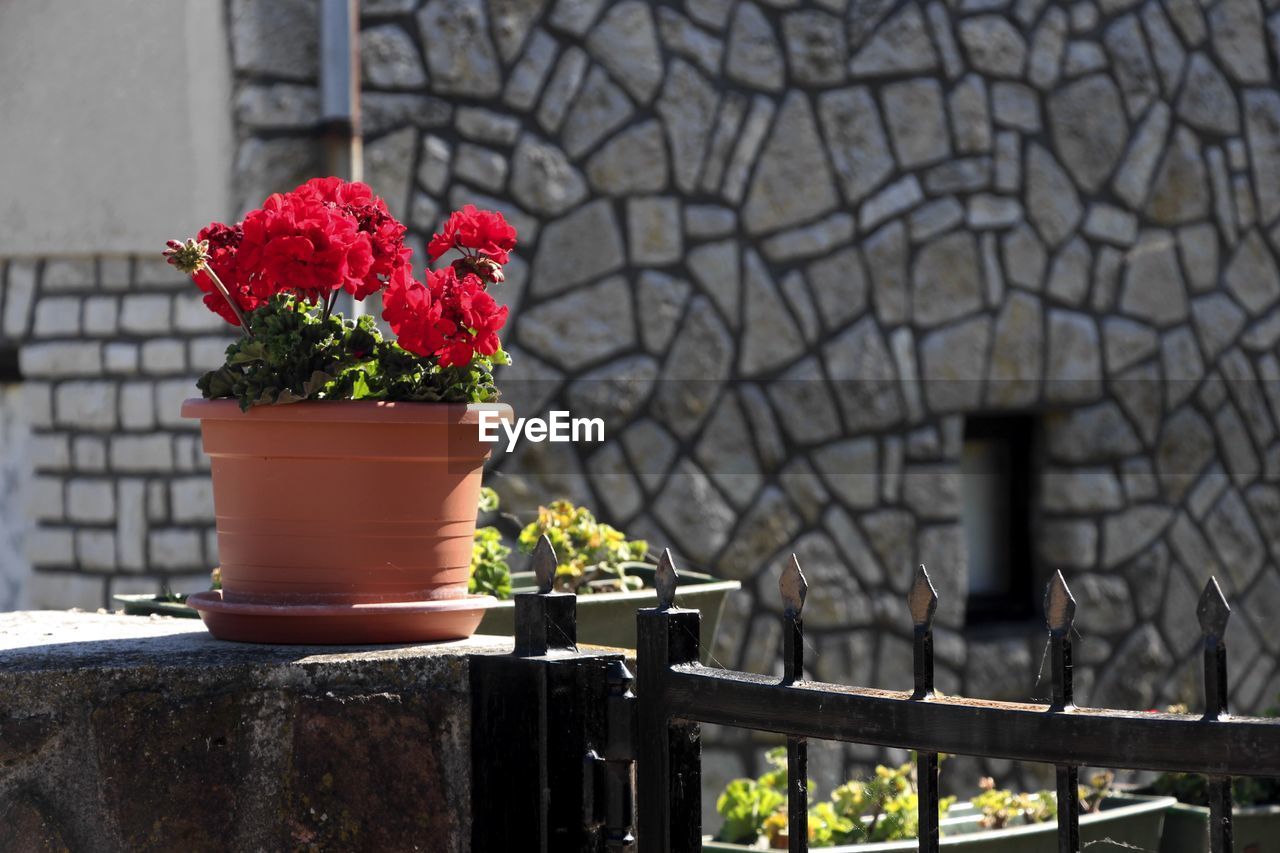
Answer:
(345, 411)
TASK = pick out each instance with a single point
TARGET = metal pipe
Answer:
(340, 88)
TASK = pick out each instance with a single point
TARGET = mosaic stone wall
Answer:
(788, 245)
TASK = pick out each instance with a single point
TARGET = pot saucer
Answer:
(341, 624)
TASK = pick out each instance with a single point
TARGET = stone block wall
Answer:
(118, 488)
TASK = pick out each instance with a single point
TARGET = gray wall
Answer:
(791, 244)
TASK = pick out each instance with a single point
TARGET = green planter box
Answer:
(1255, 829)
(609, 618)
(1126, 821)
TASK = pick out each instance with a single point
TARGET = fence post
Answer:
(1213, 613)
(793, 588)
(1060, 613)
(540, 724)
(668, 757)
(922, 601)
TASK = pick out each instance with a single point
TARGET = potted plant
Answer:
(346, 467)
(880, 815)
(612, 575)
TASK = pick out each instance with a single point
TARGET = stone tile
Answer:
(1134, 70)
(526, 78)
(1070, 273)
(895, 199)
(599, 108)
(886, 255)
(808, 241)
(816, 48)
(1207, 102)
(751, 138)
(1262, 129)
(1089, 129)
(699, 359)
(1110, 224)
(733, 111)
(754, 57)
(858, 145)
(1235, 29)
(994, 45)
(1048, 45)
(685, 39)
(900, 45)
(917, 123)
(460, 56)
(653, 230)
(770, 337)
(687, 108)
(389, 59)
(792, 156)
(934, 218)
(1180, 193)
(510, 21)
(694, 513)
(571, 332)
(946, 282)
(1052, 202)
(577, 248)
(1153, 288)
(716, 267)
(840, 286)
(864, 377)
(953, 362)
(1016, 106)
(282, 43)
(1251, 275)
(561, 89)
(625, 42)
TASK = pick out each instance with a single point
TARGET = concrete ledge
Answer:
(127, 733)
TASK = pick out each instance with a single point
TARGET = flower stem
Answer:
(235, 306)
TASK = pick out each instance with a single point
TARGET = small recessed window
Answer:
(9, 365)
(995, 466)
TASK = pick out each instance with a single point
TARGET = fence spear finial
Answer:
(665, 580)
(793, 588)
(1213, 610)
(1059, 605)
(923, 598)
(544, 564)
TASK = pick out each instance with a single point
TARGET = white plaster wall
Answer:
(115, 124)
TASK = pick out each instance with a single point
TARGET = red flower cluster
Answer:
(224, 241)
(477, 233)
(324, 235)
(329, 234)
(452, 316)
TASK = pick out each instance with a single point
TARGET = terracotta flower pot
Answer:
(343, 521)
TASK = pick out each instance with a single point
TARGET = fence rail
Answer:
(576, 786)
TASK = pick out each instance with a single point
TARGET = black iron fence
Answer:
(557, 730)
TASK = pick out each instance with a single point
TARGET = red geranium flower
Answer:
(450, 317)
(485, 233)
(386, 233)
(224, 241)
(296, 243)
